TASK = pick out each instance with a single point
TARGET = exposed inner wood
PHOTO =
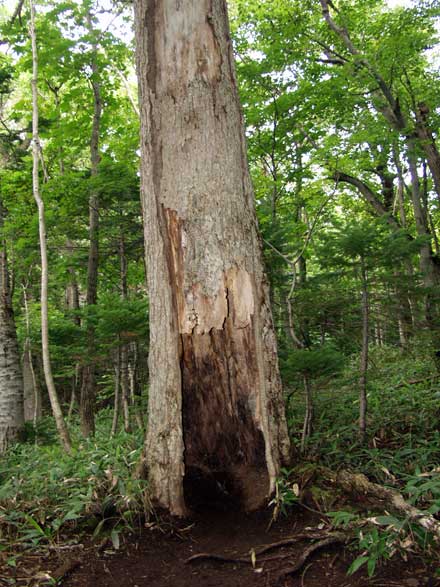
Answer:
(219, 376)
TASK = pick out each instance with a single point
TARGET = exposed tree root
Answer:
(290, 540)
(336, 538)
(390, 498)
(217, 557)
(251, 559)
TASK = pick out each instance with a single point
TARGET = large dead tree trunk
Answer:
(215, 402)
(11, 382)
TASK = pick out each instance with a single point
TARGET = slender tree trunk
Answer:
(73, 400)
(404, 314)
(53, 396)
(11, 381)
(117, 399)
(132, 369)
(88, 385)
(308, 417)
(408, 266)
(72, 304)
(125, 389)
(364, 354)
(215, 400)
(428, 265)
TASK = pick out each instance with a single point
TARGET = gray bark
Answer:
(429, 145)
(428, 264)
(32, 391)
(215, 400)
(11, 382)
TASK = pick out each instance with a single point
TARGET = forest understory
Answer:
(100, 528)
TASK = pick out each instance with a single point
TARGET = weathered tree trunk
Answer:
(88, 383)
(11, 382)
(53, 396)
(32, 391)
(215, 402)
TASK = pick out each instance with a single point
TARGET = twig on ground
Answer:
(217, 557)
(304, 574)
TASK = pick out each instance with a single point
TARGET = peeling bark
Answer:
(215, 400)
(31, 386)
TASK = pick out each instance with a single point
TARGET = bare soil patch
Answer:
(158, 557)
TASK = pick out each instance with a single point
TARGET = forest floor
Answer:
(76, 520)
(158, 557)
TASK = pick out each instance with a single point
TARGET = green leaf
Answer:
(356, 564)
(115, 539)
(30, 520)
(98, 529)
(371, 566)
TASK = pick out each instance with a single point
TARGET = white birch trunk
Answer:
(53, 396)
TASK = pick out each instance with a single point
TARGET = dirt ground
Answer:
(157, 557)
